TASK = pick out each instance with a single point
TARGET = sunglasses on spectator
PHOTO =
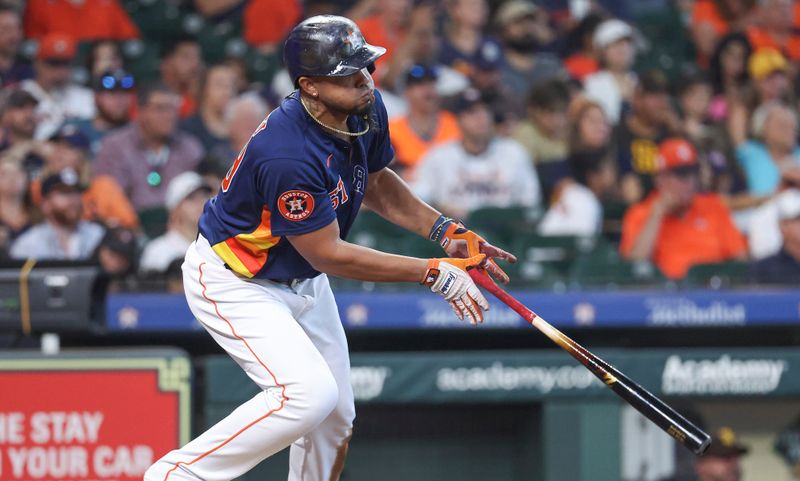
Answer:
(116, 82)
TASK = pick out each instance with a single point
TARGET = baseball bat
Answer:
(645, 402)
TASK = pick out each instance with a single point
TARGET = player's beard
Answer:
(367, 112)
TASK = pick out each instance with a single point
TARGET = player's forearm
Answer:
(352, 261)
(392, 199)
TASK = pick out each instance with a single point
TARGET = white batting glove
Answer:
(449, 279)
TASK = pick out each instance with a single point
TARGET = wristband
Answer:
(439, 227)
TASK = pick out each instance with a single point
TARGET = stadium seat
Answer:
(153, 221)
(718, 275)
(558, 252)
(604, 267)
(502, 225)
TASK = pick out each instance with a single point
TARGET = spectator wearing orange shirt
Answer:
(386, 27)
(675, 226)
(776, 28)
(182, 70)
(712, 19)
(266, 22)
(83, 20)
(425, 125)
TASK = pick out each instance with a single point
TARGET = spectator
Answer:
(181, 70)
(208, 124)
(59, 99)
(267, 22)
(519, 22)
(712, 19)
(487, 77)
(146, 154)
(613, 86)
(576, 201)
(113, 99)
(12, 70)
(649, 122)
(729, 74)
(425, 125)
(62, 235)
(103, 199)
(243, 115)
(581, 57)
(775, 28)
(543, 133)
(721, 461)
(15, 211)
(694, 98)
(116, 254)
(675, 226)
(387, 27)
(481, 170)
(104, 56)
(769, 82)
(784, 265)
(186, 196)
(464, 40)
(775, 153)
(18, 122)
(84, 20)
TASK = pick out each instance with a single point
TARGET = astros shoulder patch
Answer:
(296, 205)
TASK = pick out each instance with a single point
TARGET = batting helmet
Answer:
(327, 46)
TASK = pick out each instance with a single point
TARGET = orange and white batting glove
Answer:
(458, 241)
(449, 278)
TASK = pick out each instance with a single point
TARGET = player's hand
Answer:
(458, 241)
(449, 279)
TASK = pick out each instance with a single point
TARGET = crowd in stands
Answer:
(674, 140)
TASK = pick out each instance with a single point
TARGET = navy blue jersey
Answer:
(291, 178)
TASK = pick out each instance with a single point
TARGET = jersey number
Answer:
(338, 193)
(226, 182)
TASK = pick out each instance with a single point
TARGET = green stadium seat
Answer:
(153, 221)
(558, 252)
(718, 275)
(604, 267)
(502, 225)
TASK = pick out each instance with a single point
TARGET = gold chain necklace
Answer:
(333, 129)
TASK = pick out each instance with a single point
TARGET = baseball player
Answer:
(256, 277)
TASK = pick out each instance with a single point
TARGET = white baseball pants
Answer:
(291, 343)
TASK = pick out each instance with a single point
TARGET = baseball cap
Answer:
(788, 203)
(676, 154)
(465, 100)
(420, 73)
(182, 186)
(489, 57)
(113, 81)
(56, 46)
(609, 32)
(724, 443)
(16, 97)
(72, 135)
(653, 82)
(65, 178)
(121, 240)
(766, 61)
(514, 10)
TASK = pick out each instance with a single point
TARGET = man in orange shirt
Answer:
(776, 29)
(675, 226)
(84, 20)
(425, 125)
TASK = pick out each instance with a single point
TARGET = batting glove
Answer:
(449, 279)
(458, 241)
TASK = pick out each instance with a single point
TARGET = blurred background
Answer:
(640, 157)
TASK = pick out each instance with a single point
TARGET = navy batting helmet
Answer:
(327, 46)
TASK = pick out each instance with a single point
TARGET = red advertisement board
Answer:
(80, 421)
